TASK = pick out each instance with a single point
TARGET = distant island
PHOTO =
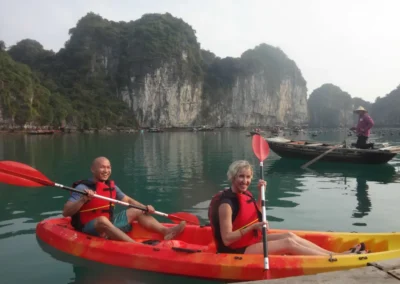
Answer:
(152, 73)
(329, 106)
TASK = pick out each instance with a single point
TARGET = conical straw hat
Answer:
(360, 108)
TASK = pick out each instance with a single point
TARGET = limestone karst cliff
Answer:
(152, 72)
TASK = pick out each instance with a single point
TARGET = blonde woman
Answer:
(235, 217)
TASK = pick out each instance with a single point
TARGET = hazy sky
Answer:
(354, 44)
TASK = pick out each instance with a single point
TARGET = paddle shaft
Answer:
(264, 219)
(109, 199)
(320, 156)
(19, 174)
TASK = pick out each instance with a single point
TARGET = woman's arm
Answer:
(225, 223)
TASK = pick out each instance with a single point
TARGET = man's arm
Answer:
(125, 198)
(76, 201)
(71, 207)
(370, 122)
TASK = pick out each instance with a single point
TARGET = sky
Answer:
(354, 44)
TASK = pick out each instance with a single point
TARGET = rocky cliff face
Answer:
(329, 106)
(385, 110)
(167, 102)
(262, 87)
(249, 103)
(163, 100)
(155, 65)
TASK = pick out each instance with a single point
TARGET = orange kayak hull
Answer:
(193, 253)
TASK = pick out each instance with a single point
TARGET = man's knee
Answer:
(132, 214)
(102, 223)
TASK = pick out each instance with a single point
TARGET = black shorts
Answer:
(233, 251)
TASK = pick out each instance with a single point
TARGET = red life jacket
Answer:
(248, 214)
(96, 207)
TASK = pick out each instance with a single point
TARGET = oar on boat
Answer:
(261, 150)
(320, 156)
(19, 174)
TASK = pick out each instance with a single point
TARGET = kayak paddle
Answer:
(19, 174)
(261, 150)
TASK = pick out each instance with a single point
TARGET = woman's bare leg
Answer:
(303, 242)
(284, 246)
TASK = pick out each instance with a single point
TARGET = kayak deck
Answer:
(193, 252)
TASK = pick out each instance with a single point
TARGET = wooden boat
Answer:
(203, 128)
(155, 129)
(254, 132)
(193, 252)
(41, 132)
(311, 149)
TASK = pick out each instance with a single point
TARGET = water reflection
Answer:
(385, 173)
(363, 200)
(285, 181)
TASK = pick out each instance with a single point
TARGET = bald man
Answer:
(96, 217)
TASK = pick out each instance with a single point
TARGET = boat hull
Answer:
(347, 155)
(193, 252)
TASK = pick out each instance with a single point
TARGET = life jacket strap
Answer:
(94, 209)
(249, 224)
(109, 189)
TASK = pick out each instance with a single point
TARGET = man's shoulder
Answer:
(83, 182)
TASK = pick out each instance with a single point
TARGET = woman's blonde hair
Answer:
(236, 167)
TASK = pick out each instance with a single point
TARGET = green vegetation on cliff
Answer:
(104, 62)
(154, 39)
(272, 62)
(386, 110)
(100, 60)
(329, 106)
(24, 99)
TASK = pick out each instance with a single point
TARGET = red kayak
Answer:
(193, 252)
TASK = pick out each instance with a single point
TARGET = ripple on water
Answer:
(17, 226)
(52, 213)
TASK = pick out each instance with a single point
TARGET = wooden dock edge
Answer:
(386, 272)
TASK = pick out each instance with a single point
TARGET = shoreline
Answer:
(44, 130)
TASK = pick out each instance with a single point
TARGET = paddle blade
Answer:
(260, 147)
(16, 173)
(184, 216)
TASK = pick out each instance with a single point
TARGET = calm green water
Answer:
(180, 171)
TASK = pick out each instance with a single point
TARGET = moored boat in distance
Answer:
(256, 131)
(203, 128)
(380, 154)
(41, 132)
(155, 129)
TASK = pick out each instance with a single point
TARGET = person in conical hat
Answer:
(360, 109)
(363, 128)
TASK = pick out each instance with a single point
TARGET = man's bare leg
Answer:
(104, 226)
(151, 224)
